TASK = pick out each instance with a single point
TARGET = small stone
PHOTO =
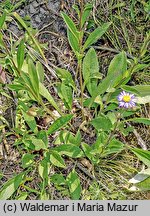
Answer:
(35, 4)
(42, 11)
(37, 19)
(32, 9)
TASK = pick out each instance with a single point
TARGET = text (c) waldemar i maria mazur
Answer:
(108, 207)
(80, 207)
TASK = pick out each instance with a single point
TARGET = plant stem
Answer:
(111, 134)
(81, 86)
(79, 67)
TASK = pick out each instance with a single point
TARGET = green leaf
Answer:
(90, 153)
(101, 139)
(59, 123)
(77, 138)
(73, 41)
(143, 90)
(58, 179)
(43, 168)
(66, 92)
(23, 24)
(129, 89)
(73, 182)
(44, 195)
(95, 35)
(38, 144)
(11, 186)
(143, 155)
(141, 176)
(27, 160)
(102, 123)
(45, 93)
(22, 196)
(117, 72)
(30, 120)
(65, 77)
(115, 146)
(86, 12)
(33, 76)
(20, 54)
(69, 150)
(26, 81)
(145, 121)
(71, 26)
(16, 87)
(141, 186)
(40, 71)
(2, 20)
(57, 160)
(90, 70)
(43, 136)
(118, 64)
(143, 100)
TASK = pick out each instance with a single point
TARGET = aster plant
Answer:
(126, 100)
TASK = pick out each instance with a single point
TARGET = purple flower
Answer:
(126, 100)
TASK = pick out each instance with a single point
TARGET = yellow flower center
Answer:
(126, 98)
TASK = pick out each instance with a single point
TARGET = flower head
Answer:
(126, 100)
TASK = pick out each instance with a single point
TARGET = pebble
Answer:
(42, 11)
(37, 19)
(35, 4)
(32, 9)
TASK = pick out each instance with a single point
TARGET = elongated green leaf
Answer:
(57, 160)
(74, 43)
(118, 64)
(141, 186)
(66, 92)
(43, 136)
(30, 120)
(90, 70)
(2, 19)
(22, 196)
(33, 76)
(20, 54)
(114, 77)
(95, 35)
(65, 77)
(140, 120)
(141, 176)
(143, 155)
(73, 182)
(69, 150)
(16, 87)
(40, 71)
(26, 81)
(115, 146)
(21, 21)
(38, 144)
(45, 93)
(143, 90)
(10, 187)
(77, 140)
(71, 26)
(27, 160)
(44, 168)
(86, 13)
(90, 153)
(130, 89)
(59, 123)
(143, 100)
